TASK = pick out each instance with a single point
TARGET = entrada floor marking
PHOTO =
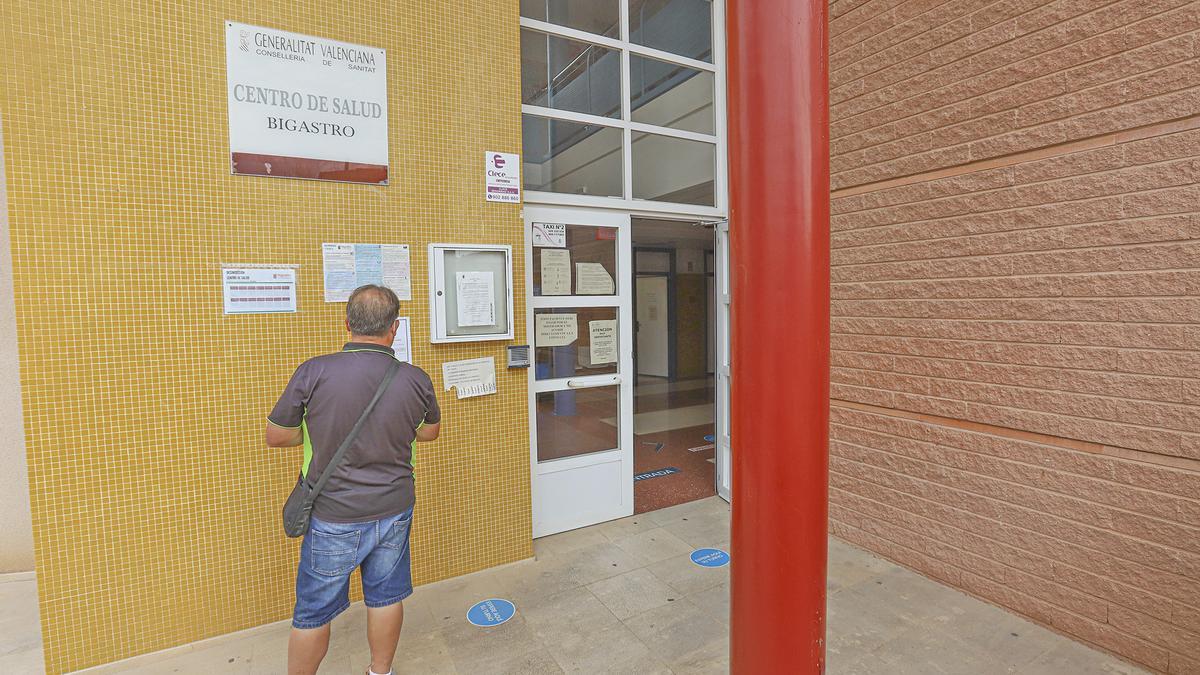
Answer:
(491, 612)
(710, 557)
(657, 473)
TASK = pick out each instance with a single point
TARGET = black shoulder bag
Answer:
(297, 510)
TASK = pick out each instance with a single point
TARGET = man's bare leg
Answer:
(383, 634)
(306, 648)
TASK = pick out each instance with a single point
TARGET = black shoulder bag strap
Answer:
(297, 511)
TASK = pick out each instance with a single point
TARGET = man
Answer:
(362, 517)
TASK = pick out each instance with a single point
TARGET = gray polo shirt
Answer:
(325, 397)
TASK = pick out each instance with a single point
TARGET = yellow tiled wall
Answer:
(155, 503)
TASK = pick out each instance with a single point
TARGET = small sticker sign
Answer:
(503, 177)
(710, 557)
(550, 235)
(491, 612)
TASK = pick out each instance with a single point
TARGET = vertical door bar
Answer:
(779, 182)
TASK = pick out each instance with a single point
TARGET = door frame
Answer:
(626, 378)
(723, 377)
(670, 275)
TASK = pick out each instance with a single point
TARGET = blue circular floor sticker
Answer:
(491, 612)
(710, 557)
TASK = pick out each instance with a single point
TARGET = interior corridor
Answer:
(624, 597)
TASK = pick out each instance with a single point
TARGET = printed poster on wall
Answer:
(402, 343)
(348, 266)
(476, 298)
(257, 290)
(305, 107)
(470, 378)
(502, 177)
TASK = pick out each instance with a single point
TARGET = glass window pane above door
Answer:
(682, 27)
(668, 95)
(668, 169)
(571, 158)
(577, 422)
(570, 75)
(555, 270)
(601, 17)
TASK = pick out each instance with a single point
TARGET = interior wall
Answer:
(156, 505)
(691, 310)
(16, 537)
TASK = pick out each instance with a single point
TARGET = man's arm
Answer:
(283, 437)
(429, 432)
(285, 424)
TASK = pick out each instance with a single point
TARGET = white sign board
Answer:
(473, 377)
(252, 290)
(549, 235)
(305, 107)
(503, 177)
(348, 266)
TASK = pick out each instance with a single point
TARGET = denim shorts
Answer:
(331, 551)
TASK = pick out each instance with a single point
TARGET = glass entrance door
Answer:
(581, 382)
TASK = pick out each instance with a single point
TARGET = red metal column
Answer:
(779, 231)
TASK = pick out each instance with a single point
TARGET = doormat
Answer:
(657, 473)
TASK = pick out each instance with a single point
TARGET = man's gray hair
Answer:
(372, 310)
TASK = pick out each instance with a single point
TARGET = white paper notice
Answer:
(556, 272)
(397, 270)
(503, 179)
(556, 330)
(604, 341)
(593, 279)
(549, 235)
(348, 266)
(259, 290)
(476, 299)
(402, 344)
(474, 377)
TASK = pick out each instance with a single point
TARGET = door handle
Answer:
(586, 384)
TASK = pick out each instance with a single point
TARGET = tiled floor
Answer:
(623, 597)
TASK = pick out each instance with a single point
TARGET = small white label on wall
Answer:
(503, 177)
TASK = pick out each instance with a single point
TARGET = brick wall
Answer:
(1016, 306)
